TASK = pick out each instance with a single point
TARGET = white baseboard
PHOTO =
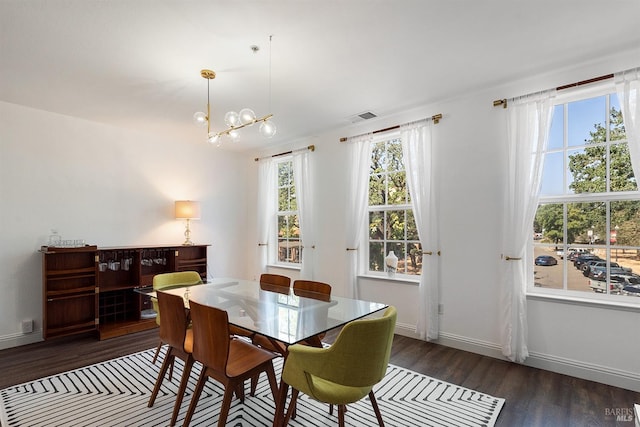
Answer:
(18, 339)
(575, 368)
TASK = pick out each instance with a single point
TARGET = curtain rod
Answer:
(308, 147)
(503, 102)
(435, 118)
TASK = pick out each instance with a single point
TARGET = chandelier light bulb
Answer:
(214, 138)
(234, 135)
(267, 129)
(200, 118)
(232, 119)
(247, 116)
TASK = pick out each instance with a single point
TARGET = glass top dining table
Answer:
(281, 314)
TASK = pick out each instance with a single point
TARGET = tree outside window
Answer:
(391, 225)
(589, 203)
(289, 247)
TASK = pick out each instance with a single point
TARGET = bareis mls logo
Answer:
(620, 414)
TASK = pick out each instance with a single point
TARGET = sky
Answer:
(581, 117)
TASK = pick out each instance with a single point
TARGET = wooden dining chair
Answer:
(312, 289)
(175, 332)
(224, 358)
(316, 290)
(269, 282)
(275, 279)
(343, 373)
(166, 281)
(272, 283)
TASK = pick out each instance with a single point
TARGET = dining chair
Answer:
(270, 282)
(316, 290)
(226, 359)
(312, 289)
(175, 332)
(343, 373)
(168, 280)
(275, 280)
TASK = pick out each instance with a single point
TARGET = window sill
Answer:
(284, 267)
(396, 279)
(587, 302)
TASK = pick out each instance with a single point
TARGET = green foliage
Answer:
(289, 249)
(588, 168)
(391, 228)
(549, 219)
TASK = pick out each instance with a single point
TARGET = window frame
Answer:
(274, 235)
(607, 197)
(405, 207)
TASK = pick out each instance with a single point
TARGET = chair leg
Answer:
(281, 403)
(271, 375)
(155, 356)
(341, 410)
(202, 379)
(374, 403)
(183, 387)
(292, 406)
(254, 384)
(226, 404)
(168, 359)
(171, 371)
(239, 388)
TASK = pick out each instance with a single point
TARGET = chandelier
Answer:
(234, 120)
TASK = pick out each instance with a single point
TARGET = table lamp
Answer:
(187, 209)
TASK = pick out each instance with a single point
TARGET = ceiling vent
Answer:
(362, 116)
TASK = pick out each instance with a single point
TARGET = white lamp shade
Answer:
(187, 209)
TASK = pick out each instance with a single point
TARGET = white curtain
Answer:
(302, 177)
(359, 160)
(628, 88)
(528, 124)
(417, 143)
(266, 209)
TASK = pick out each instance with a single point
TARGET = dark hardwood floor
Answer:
(533, 397)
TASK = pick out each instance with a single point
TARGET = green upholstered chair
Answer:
(343, 373)
(167, 281)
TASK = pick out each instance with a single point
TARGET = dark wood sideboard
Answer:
(93, 289)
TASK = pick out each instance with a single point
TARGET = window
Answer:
(289, 248)
(587, 226)
(391, 224)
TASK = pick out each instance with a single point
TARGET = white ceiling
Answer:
(136, 63)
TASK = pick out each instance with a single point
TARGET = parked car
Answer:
(631, 290)
(584, 258)
(598, 269)
(600, 286)
(617, 284)
(573, 255)
(575, 252)
(586, 267)
(546, 260)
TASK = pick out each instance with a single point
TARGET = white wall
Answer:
(109, 187)
(584, 340)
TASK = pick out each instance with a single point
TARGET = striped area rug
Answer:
(116, 392)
